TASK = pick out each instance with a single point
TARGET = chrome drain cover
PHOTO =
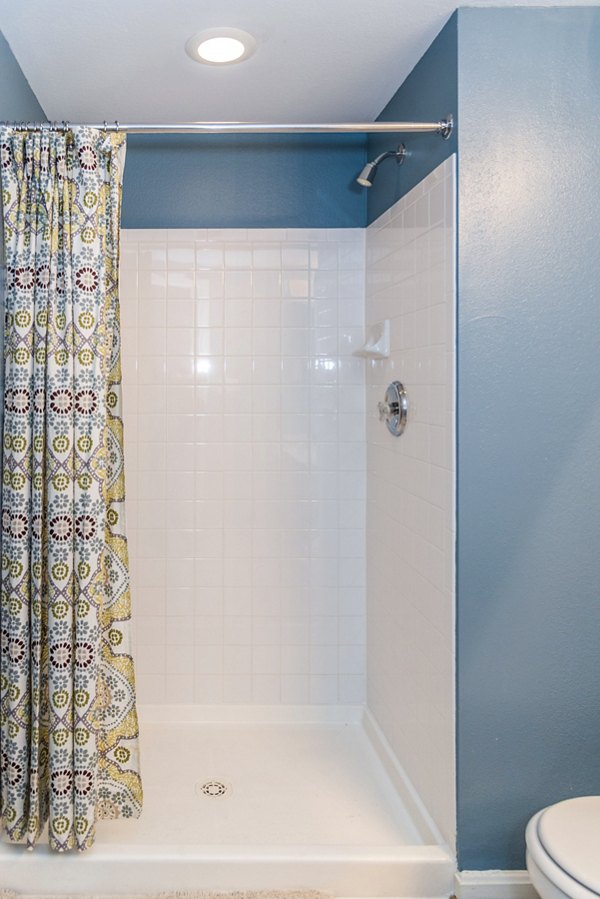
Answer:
(214, 789)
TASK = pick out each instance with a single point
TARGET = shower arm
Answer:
(443, 127)
(399, 155)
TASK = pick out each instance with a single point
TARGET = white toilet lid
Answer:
(570, 833)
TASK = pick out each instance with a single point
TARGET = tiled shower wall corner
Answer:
(245, 463)
(410, 280)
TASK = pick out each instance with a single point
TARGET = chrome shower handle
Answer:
(394, 408)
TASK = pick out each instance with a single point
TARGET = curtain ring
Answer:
(117, 126)
(105, 128)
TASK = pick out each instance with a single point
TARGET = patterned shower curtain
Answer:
(68, 721)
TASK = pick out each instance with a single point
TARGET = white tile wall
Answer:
(245, 454)
(410, 279)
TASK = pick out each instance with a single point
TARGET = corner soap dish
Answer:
(377, 344)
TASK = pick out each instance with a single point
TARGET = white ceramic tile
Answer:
(180, 313)
(237, 688)
(209, 284)
(323, 689)
(238, 256)
(209, 257)
(410, 280)
(295, 689)
(236, 429)
(150, 370)
(238, 313)
(180, 254)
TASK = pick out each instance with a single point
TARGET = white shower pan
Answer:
(256, 798)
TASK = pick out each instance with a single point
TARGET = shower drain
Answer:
(215, 789)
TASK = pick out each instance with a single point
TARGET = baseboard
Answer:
(494, 885)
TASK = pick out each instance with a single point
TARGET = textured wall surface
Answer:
(246, 463)
(428, 95)
(528, 422)
(410, 490)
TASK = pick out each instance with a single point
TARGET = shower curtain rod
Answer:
(443, 127)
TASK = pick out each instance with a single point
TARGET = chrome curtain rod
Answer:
(443, 127)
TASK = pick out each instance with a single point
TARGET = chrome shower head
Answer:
(367, 175)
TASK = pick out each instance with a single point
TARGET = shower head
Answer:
(367, 176)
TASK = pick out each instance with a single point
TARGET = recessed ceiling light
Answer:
(220, 46)
(220, 49)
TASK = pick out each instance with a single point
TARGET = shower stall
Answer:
(292, 562)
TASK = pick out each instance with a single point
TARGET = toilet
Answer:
(563, 849)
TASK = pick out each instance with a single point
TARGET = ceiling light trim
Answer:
(207, 34)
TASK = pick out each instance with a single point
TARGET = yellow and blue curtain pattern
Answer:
(68, 720)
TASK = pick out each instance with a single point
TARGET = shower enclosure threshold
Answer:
(256, 798)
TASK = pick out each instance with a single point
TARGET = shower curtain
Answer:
(68, 722)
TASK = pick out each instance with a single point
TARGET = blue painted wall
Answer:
(234, 181)
(17, 100)
(429, 93)
(526, 83)
(528, 421)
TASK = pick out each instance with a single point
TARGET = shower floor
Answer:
(242, 798)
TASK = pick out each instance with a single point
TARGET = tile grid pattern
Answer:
(245, 455)
(410, 280)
